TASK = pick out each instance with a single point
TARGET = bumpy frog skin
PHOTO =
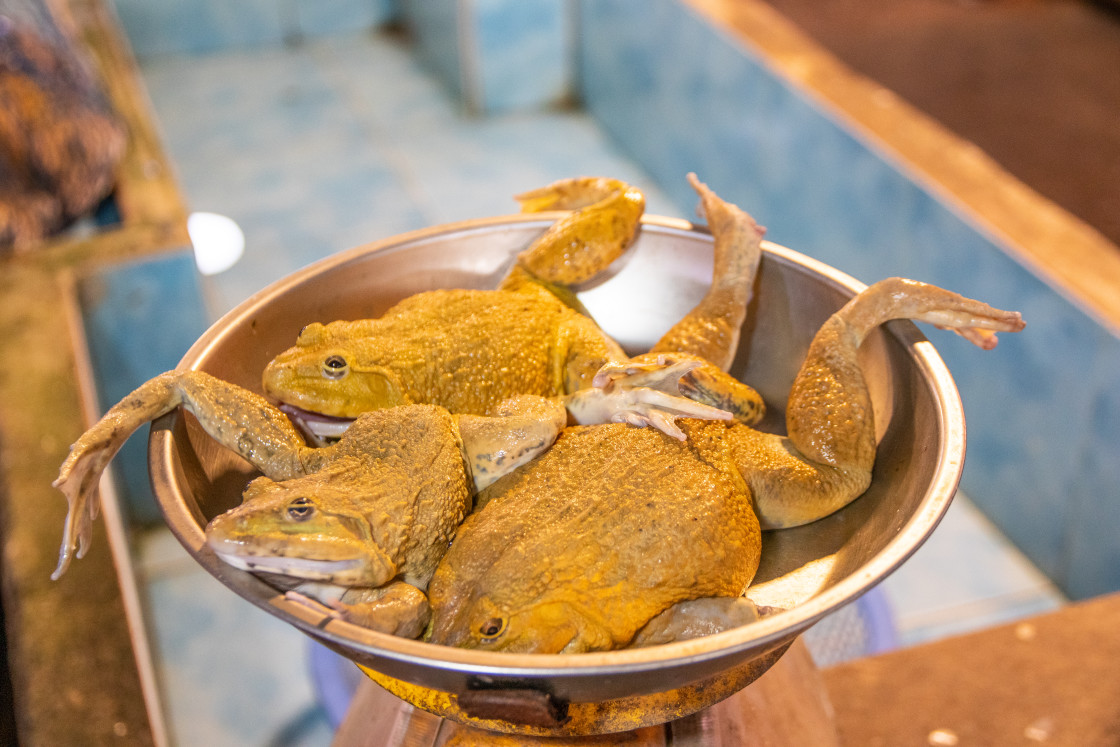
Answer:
(467, 350)
(374, 510)
(619, 536)
(588, 537)
(615, 536)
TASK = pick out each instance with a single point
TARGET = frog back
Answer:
(417, 484)
(614, 524)
(469, 350)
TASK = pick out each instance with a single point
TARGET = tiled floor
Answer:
(326, 146)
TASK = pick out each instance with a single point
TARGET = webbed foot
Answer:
(581, 245)
(899, 298)
(704, 383)
(237, 419)
(518, 431)
(80, 473)
(78, 479)
(641, 394)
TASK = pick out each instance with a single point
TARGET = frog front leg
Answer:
(687, 376)
(397, 608)
(643, 394)
(826, 460)
(237, 418)
(520, 430)
(695, 618)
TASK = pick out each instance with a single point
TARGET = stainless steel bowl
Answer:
(810, 571)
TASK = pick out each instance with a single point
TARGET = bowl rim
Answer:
(756, 638)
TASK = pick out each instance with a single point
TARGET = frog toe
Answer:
(638, 406)
(78, 483)
(689, 377)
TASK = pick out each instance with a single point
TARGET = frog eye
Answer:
(301, 509)
(335, 367)
(492, 628)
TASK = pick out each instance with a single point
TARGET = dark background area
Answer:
(1034, 83)
(7, 707)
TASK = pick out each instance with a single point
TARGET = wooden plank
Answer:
(74, 676)
(1048, 680)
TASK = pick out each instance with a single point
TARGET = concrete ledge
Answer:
(1071, 256)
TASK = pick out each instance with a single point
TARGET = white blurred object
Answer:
(217, 240)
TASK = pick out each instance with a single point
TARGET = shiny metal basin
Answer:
(809, 571)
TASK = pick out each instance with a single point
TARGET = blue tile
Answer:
(435, 27)
(230, 674)
(118, 303)
(1093, 564)
(313, 18)
(521, 53)
(496, 55)
(966, 576)
(161, 27)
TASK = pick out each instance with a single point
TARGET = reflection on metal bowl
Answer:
(808, 571)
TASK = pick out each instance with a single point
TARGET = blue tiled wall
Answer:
(496, 55)
(522, 48)
(162, 27)
(1042, 409)
(434, 25)
(118, 303)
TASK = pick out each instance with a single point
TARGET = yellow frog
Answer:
(619, 536)
(584, 538)
(467, 350)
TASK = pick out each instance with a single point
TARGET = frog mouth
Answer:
(318, 428)
(304, 568)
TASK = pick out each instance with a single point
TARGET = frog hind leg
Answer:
(273, 444)
(581, 245)
(826, 460)
(519, 430)
(694, 618)
(711, 329)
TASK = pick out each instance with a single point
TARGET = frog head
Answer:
(308, 528)
(543, 626)
(328, 372)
